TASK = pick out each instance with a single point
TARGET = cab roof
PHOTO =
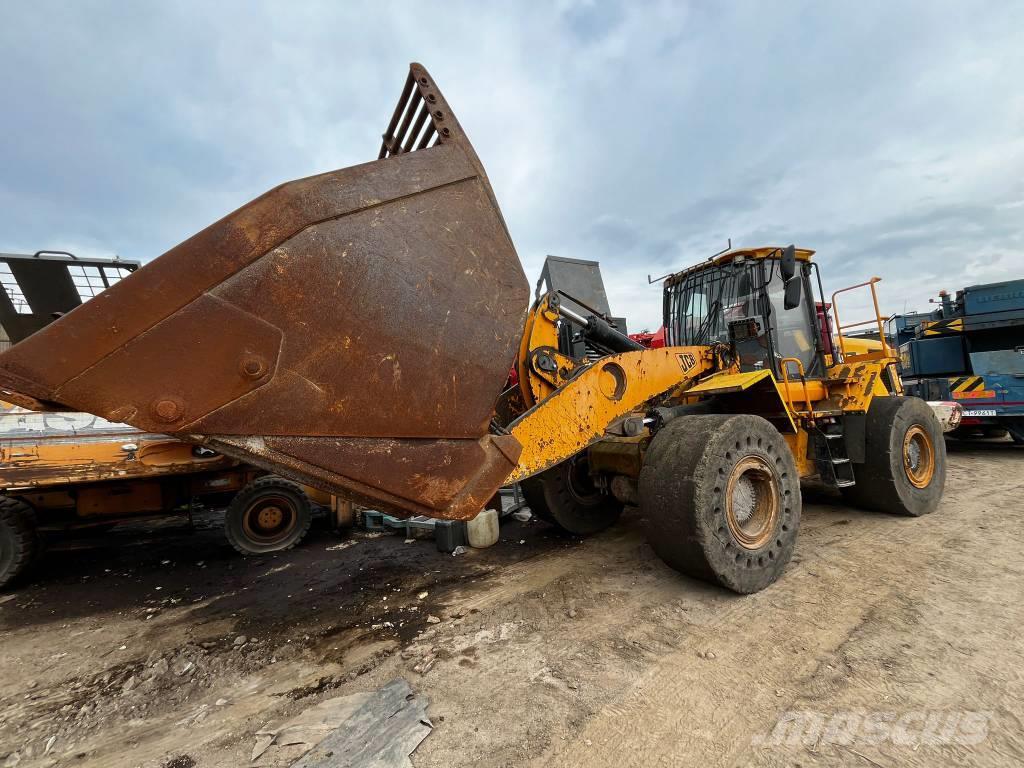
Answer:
(763, 252)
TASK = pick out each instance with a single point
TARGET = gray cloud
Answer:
(888, 136)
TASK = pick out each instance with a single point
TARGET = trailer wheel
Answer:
(18, 541)
(904, 470)
(721, 499)
(566, 497)
(270, 514)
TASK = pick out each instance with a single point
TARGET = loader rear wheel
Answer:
(720, 495)
(18, 541)
(566, 497)
(904, 470)
(270, 514)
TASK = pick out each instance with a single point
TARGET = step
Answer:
(845, 483)
(840, 461)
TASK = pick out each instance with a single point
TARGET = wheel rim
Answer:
(918, 456)
(269, 519)
(752, 502)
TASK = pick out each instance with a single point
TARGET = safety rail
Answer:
(878, 319)
(803, 380)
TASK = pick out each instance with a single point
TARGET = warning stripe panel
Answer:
(953, 325)
(966, 383)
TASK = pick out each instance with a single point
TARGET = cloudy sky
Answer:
(888, 136)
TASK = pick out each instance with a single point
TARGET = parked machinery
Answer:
(354, 331)
(65, 471)
(970, 349)
(62, 471)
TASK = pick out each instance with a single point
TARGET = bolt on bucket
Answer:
(350, 330)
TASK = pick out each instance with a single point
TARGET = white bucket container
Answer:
(482, 530)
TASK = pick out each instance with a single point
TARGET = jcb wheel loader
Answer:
(353, 331)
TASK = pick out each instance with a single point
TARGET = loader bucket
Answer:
(350, 330)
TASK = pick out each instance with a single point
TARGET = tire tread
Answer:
(245, 496)
(16, 521)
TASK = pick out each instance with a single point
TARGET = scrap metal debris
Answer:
(380, 728)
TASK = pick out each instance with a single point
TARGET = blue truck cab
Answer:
(970, 349)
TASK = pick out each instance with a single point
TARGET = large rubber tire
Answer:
(18, 540)
(890, 479)
(720, 495)
(566, 497)
(270, 514)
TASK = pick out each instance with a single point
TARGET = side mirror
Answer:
(791, 298)
(787, 264)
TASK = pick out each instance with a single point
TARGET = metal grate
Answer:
(89, 280)
(37, 288)
(13, 290)
(414, 124)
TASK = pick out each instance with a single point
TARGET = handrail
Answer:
(878, 319)
(803, 379)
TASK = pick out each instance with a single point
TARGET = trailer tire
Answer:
(904, 469)
(565, 497)
(1016, 429)
(720, 495)
(270, 514)
(19, 543)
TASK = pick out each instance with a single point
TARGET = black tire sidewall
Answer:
(8, 552)
(258, 489)
(19, 543)
(912, 411)
(881, 481)
(551, 498)
(682, 489)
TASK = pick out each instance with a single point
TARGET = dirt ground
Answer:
(165, 649)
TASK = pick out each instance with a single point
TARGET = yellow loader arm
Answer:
(584, 410)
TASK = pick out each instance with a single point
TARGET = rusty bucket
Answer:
(350, 330)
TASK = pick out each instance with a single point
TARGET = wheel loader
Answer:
(354, 330)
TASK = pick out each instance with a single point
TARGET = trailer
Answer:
(969, 349)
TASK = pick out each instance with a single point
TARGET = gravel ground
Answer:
(887, 642)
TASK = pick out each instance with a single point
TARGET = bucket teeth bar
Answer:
(350, 330)
(398, 138)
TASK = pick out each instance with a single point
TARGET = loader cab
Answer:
(757, 301)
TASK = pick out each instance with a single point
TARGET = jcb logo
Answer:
(686, 360)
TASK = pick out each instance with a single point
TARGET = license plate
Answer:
(980, 413)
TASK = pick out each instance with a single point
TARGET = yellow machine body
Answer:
(577, 404)
(351, 331)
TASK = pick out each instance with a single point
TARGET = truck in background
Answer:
(969, 349)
